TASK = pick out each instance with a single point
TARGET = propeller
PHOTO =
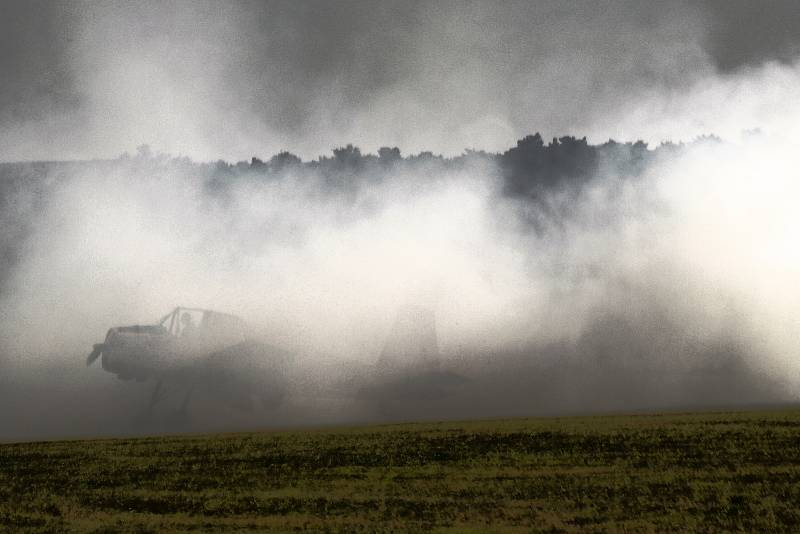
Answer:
(96, 352)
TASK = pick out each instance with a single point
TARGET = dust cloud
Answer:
(667, 288)
(575, 276)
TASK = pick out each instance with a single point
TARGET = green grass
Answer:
(709, 471)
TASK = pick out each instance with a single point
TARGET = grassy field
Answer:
(708, 471)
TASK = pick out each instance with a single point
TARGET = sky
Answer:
(82, 80)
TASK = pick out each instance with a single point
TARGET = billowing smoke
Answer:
(82, 81)
(651, 286)
(564, 277)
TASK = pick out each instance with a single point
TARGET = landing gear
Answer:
(172, 420)
(158, 394)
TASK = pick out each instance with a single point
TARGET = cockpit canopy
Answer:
(203, 322)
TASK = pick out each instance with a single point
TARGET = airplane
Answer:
(197, 350)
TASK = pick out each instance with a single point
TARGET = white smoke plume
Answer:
(673, 288)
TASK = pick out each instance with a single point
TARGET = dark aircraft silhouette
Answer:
(194, 350)
(409, 376)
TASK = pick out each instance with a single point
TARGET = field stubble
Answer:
(709, 471)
